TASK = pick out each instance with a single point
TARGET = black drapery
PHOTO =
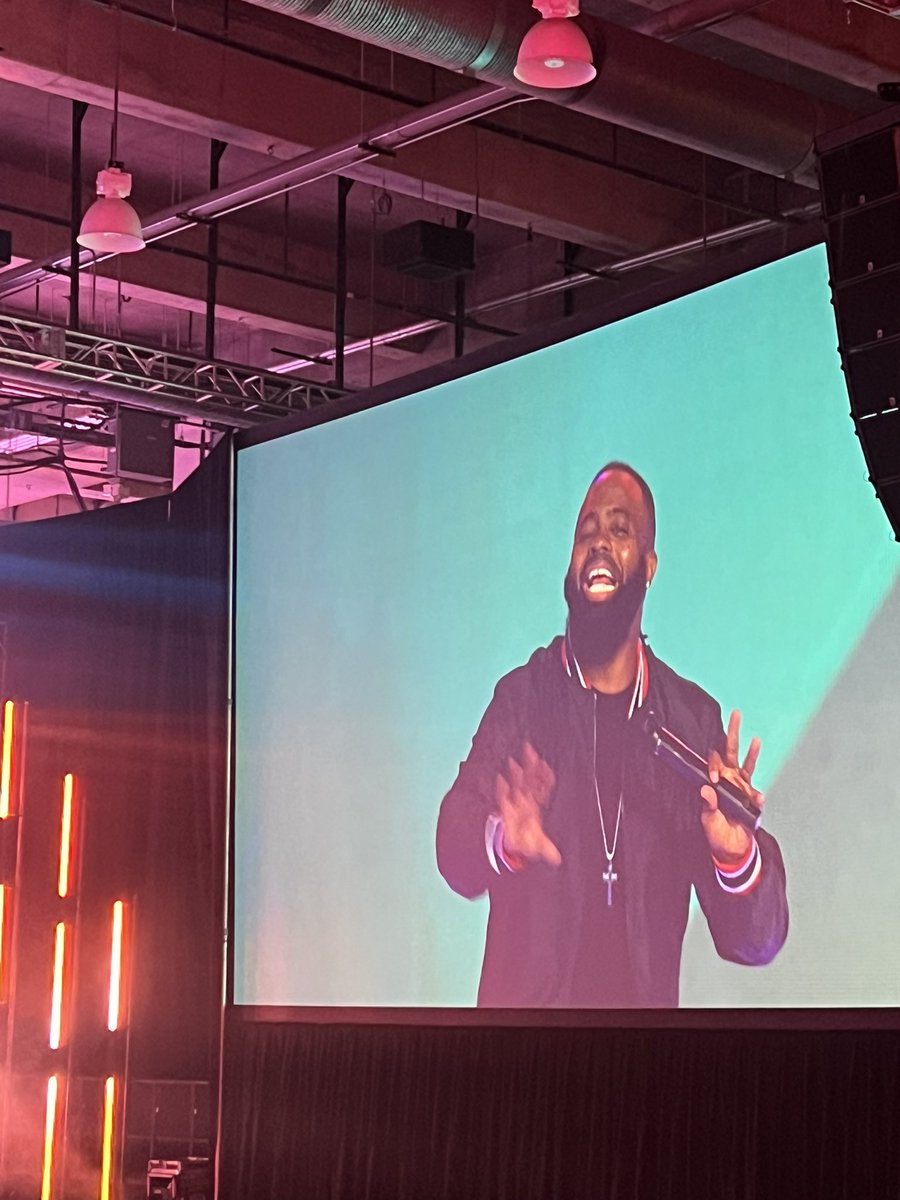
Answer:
(441, 1113)
(116, 635)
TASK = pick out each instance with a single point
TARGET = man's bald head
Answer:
(647, 495)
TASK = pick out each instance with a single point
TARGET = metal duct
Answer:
(466, 35)
(642, 84)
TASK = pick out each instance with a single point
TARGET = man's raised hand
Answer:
(522, 790)
(730, 842)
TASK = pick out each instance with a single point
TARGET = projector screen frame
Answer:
(824, 1019)
(726, 266)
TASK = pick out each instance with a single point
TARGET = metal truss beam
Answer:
(40, 361)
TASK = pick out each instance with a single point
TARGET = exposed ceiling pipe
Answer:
(642, 84)
(288, 175)
(679, 19)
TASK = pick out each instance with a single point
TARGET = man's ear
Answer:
(652, 563)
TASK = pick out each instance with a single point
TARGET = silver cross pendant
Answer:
(609, 878)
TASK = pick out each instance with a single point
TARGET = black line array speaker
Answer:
(859, 172)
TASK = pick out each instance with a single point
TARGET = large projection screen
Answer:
(393, 565)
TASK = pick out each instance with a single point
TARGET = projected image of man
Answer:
(587, 844)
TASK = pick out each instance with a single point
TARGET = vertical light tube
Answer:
(49, 1133)
(6, 755)
(56, 1000)
(65, 836)
(115, 966)
(109, 1109)
(2, 940)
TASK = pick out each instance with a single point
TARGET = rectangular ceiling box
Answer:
(429, 251)
(145, 446)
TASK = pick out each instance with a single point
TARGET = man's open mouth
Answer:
(599, 578)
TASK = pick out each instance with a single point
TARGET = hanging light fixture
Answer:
(111, 225)
(555, 52)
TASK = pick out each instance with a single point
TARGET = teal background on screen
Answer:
(393, 565)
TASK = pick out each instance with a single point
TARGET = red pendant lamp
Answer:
(555, 52)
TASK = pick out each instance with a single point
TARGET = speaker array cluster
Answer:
(859, 171)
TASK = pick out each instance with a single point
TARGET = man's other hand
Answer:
(522, 791)
(728, 841)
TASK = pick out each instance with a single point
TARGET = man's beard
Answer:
(596, 631)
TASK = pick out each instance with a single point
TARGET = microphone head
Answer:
(648, 727)
(649, 721)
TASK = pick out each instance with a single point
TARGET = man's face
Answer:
(613, 548)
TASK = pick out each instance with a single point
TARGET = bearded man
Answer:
(586, 843)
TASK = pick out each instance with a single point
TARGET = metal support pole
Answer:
(79, 108)
(570, 250)
(122, 1116)
(81, 830)
(459, 307)
(216, 150)
(340, 287)
(681, 18)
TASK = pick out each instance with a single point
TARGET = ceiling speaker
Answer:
(429, 251)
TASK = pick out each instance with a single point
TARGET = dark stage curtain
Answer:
(116, 634)
(400, 1113)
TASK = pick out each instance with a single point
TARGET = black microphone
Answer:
(693, 767)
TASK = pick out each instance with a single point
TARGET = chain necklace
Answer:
(609, 875)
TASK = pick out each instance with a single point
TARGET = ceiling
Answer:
(546, 191)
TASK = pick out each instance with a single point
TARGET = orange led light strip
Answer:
(59, 956)
(115, 966)
(109, 1106)
(65, 835)
(49, 1132)
(2, 934)
(9, 716)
